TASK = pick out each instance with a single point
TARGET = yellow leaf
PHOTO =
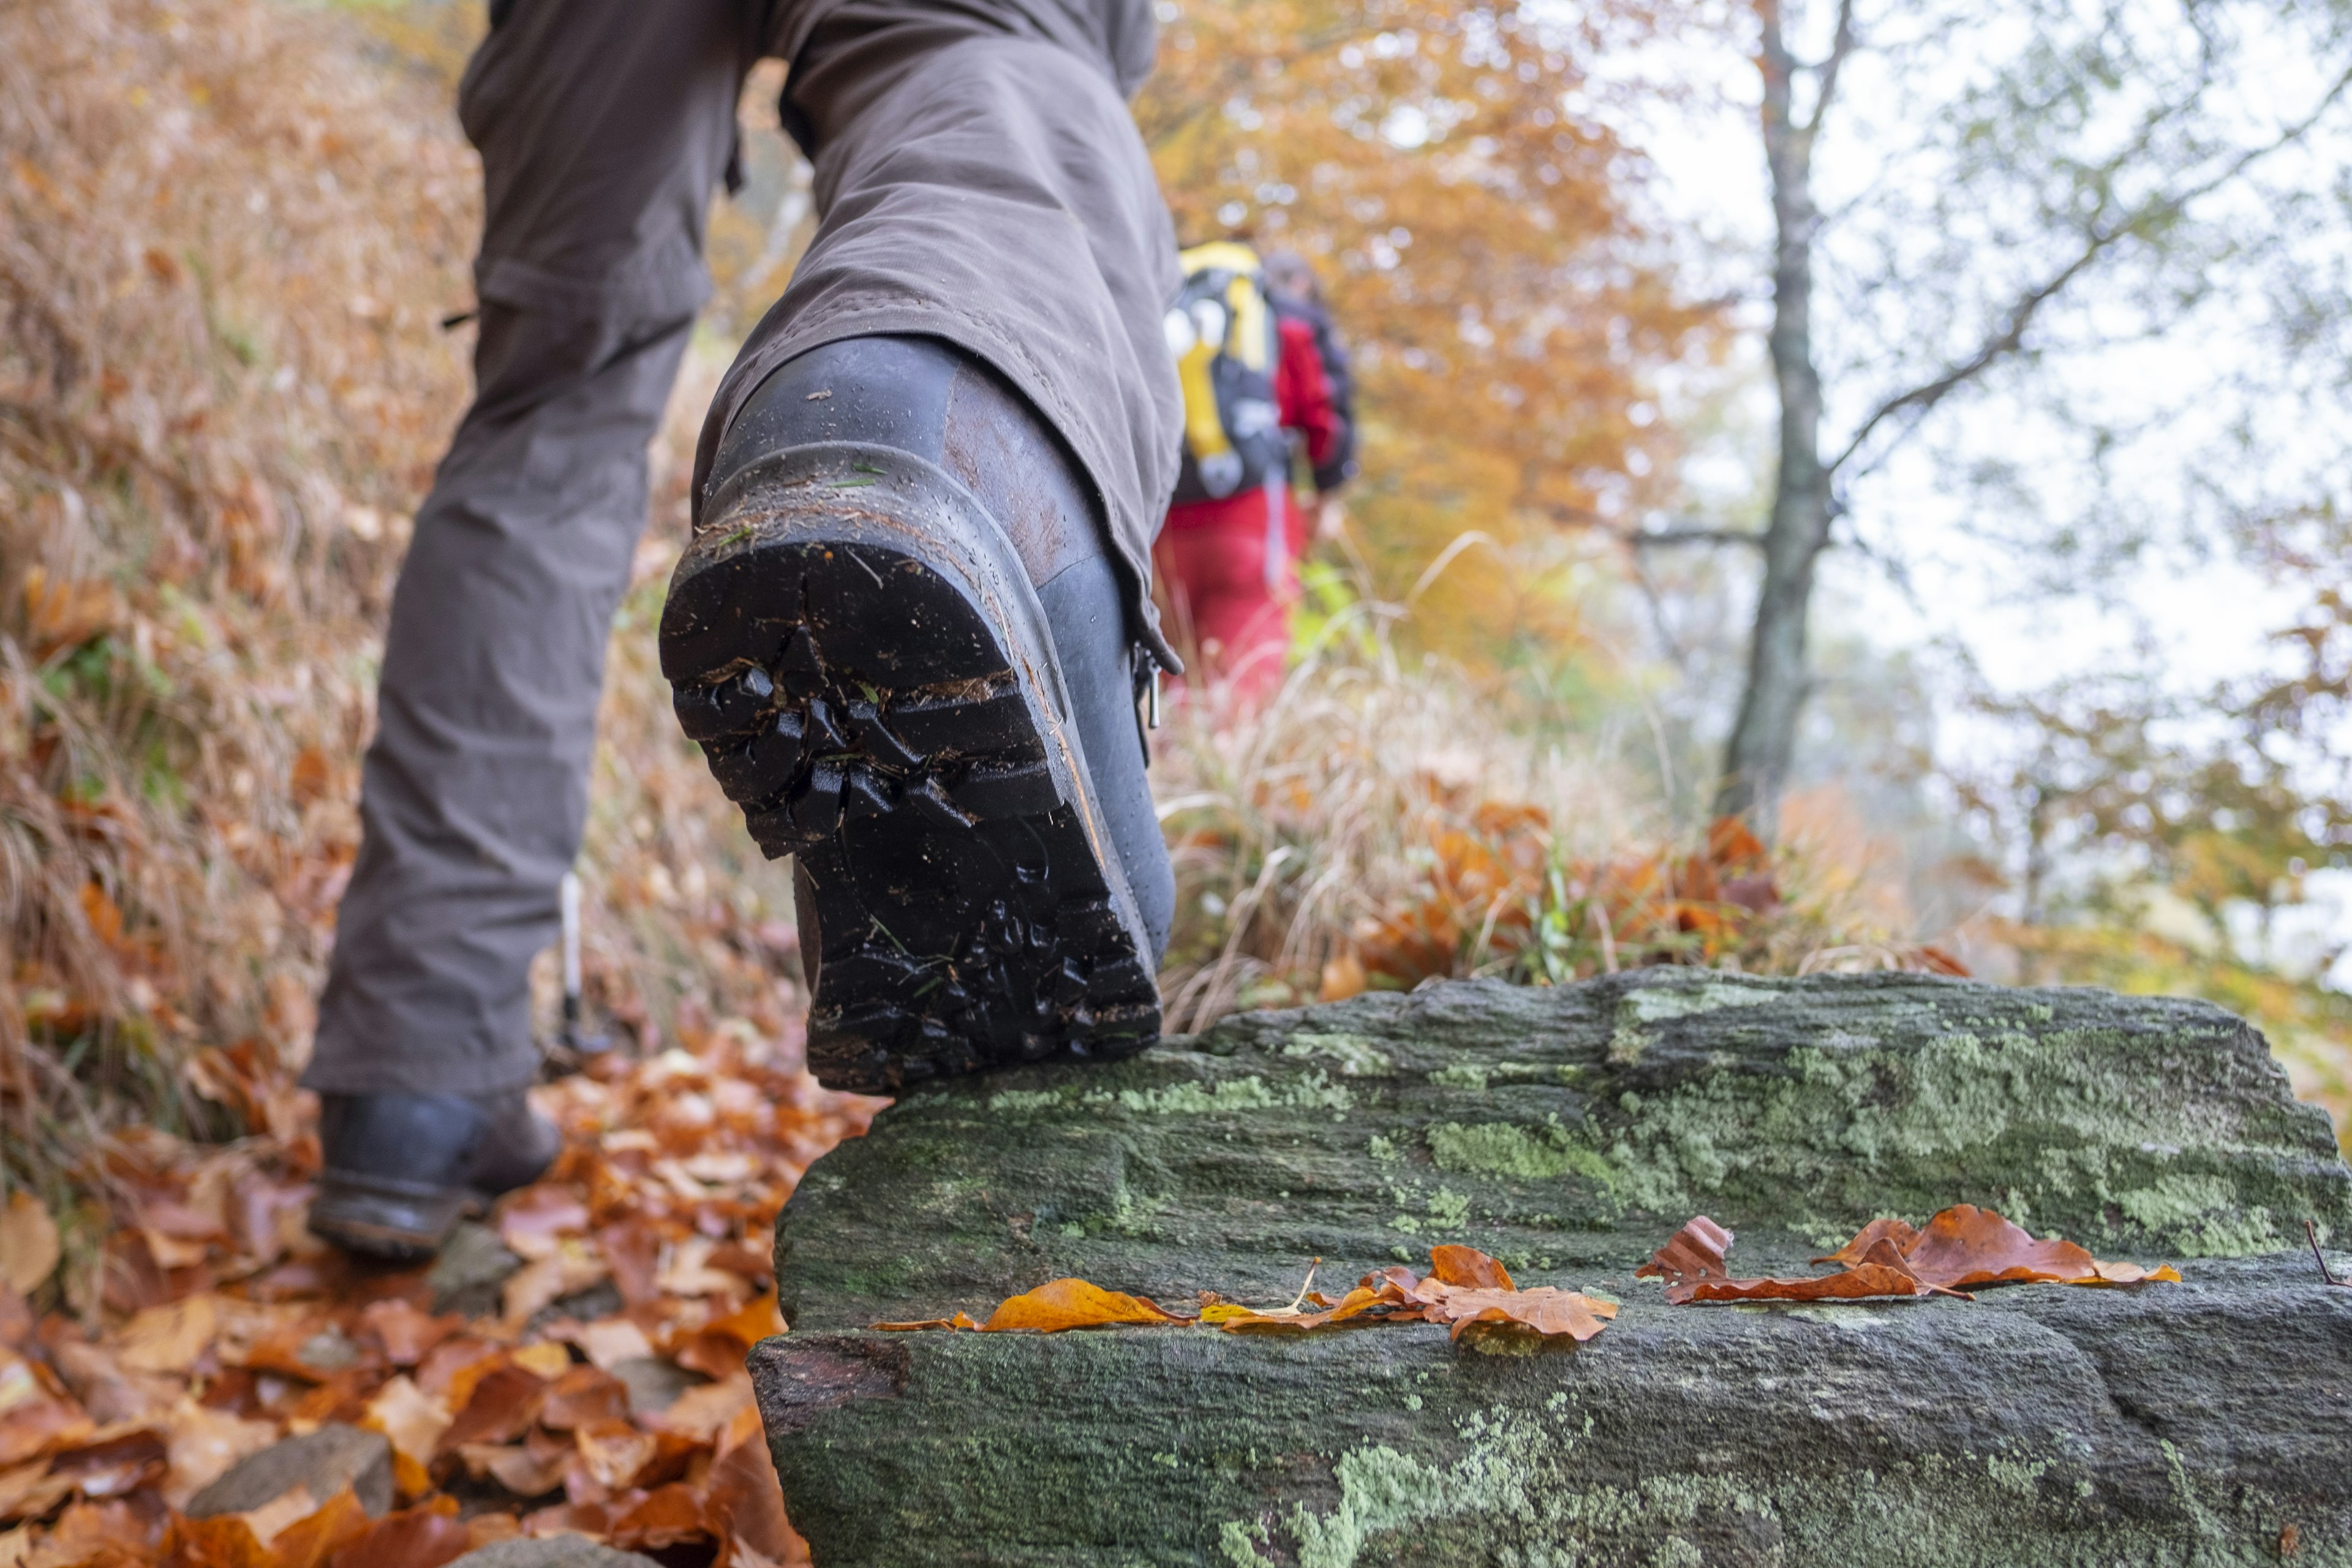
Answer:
(1074, 1304)
(168, 1339)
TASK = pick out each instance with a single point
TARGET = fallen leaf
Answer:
(608, 1341)
(701, 1413)
(407, 1334)
(547, 1358)
(15, 1317)
(570, 1267)
(1961, 1246)
(280, 1512)
(310, 1541)
(36, 1416)
(1072, 1304)
(746, 1501)
(1469, 1269)
(426, 1536)
(517, 1466)
(413, 1419)
(582, 1395)
(168, 1339)
(499, 1408)
(226, 1540)
(203, 1443)
(29, 1492)
(1692, 1263)
(534, 1221)
(1965, 1245)
(614, 1451)
(1545, 1309)
(30, 1248)
(669, 1516)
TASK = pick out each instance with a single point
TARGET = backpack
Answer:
(1226, 342)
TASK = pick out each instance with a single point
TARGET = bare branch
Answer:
(1825, 75)
(2099, 241)
(1643, 538)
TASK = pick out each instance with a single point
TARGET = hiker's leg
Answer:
(934, 518)
(602, 125)
(1237, 585)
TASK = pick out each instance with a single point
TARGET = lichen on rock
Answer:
(2175, 1424)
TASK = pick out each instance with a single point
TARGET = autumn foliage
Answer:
(640, 1264)
(1960, 1246)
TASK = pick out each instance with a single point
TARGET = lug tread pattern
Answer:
(966, 922)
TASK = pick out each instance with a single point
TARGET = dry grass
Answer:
(229, 230)
(1380, 822)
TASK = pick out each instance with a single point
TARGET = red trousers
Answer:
(1230, 576)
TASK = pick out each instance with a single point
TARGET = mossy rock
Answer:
(1568, 1131)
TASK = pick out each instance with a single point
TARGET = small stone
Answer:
(550, 1551)
(324, 1462)
(472, 1265)
(654, 1384)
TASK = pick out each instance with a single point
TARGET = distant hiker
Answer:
(910, 626)
(1264, 376)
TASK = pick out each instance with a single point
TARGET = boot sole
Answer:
(854, 643)
(400, 1222)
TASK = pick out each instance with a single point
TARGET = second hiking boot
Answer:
(901, 644)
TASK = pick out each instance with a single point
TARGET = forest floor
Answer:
(573, 1365)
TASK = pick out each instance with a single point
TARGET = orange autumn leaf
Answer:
(1547, 1310)
(1965, 1245)
(1692, 1263)
(1468, 1268)
(309, 1542)
(1961, 1246)
(1074, 1304)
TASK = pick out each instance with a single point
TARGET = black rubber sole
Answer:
(852, 642)
(400, 1222)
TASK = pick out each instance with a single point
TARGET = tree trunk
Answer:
(1763, 741)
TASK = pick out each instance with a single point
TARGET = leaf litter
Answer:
(1466, 1289)
(597, 1389)
(1960, 1246)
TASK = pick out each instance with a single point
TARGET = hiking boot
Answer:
(901, 645)
(403, 1169)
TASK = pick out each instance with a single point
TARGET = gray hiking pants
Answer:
(979, 179)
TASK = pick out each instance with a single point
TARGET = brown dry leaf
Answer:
(669, 1516)
(615, 1452)
(534, 1222)
(203, 1443)
(226, 1540)
(413, 1419)
(570, 1265)
(1965, 1245)
(309, 1542)
(1545, 1309)
(280, 1513)
(608, 1341)
(1468, 1268)
(114, 1461)
(746, 1501)
(1074, 1304)
(108, 1532)
(29, 1492)
(523, 1468)
(30, 1248)
(1692, 1263)
(719, 1347)
(16, 1322)
(168, 1339)
(426, 1536)
(498, 1410)
(407, 1334)
(702, 1413)
(36, 1416)
(584, 1395)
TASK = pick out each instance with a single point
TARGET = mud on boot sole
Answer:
(854, 643)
